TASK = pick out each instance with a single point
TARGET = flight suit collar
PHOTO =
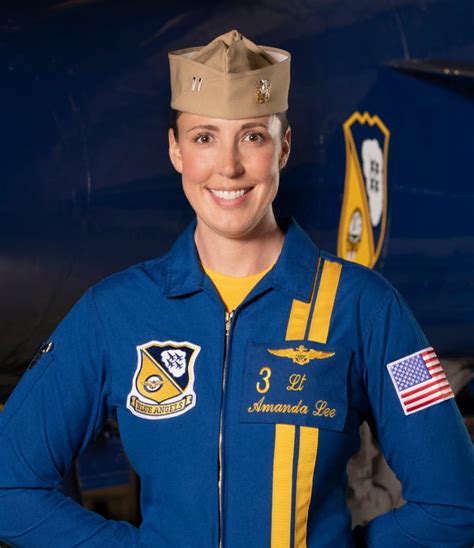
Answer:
(293, 272)
(184, 272)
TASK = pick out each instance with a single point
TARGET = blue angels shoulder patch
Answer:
(163, 384)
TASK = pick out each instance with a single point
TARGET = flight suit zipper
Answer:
(228, 321)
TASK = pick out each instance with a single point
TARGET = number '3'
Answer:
(264, 384)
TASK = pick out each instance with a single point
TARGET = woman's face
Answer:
(230, 170)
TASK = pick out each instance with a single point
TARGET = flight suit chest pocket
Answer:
(299, 383)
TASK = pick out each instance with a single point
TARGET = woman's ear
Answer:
(174, 151)
(285, 148)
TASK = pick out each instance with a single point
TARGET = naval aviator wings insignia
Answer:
(300, 354)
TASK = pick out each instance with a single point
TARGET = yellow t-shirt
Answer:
(233, 289)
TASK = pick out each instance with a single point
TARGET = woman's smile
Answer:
(229, 198)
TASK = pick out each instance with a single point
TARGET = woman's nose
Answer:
(229, 161)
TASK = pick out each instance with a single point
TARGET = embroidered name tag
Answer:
(301, 383)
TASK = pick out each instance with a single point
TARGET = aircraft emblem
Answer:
(300, 354)
(163, 384)
(364, 207)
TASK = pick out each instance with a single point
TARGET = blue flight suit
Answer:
(240, 430)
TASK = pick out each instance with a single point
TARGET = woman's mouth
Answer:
(229, 197)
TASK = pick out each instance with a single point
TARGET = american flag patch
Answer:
(419, 380)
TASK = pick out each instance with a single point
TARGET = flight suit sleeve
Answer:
(428, 449)
(59, 405)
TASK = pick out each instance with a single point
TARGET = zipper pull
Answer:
(228, 319)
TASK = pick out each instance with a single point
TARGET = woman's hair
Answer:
(176, 113)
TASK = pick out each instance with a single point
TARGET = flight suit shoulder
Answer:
(132, 281)
(361, 282)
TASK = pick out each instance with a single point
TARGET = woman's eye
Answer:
(254, 137)
(202, 138)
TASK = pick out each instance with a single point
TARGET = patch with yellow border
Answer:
(363, 218)
(163, 383)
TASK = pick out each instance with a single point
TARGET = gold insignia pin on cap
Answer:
(230, 78)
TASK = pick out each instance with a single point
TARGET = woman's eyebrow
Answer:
(203, 126)
(254, 124)
(215, 128)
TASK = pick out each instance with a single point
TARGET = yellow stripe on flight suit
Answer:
(308, 451)
(299, 313)
(282, 488)
(282, 485)
(325, 298)
(309, 436)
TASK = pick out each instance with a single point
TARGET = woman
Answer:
(240, 365)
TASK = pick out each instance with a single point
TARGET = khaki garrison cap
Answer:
(230, 78)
